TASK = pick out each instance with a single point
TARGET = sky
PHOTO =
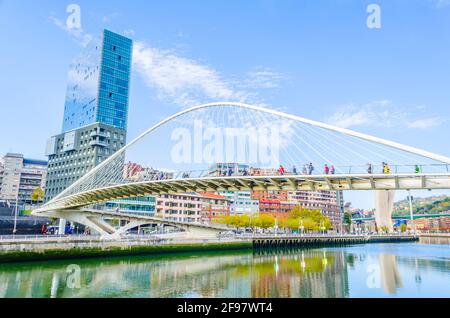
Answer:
(315, 59)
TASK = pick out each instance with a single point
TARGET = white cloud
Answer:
(187, 82)
(79, 35)
(382, 114)
(263, 77)
(440, 3)
(425, 123)
(109, 17)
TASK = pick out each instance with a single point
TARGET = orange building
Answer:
(441, 223)
(269, 195)
(279, 203)
(444, 223)
(276, 208)
(213, 205)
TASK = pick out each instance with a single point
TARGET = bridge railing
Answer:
(331, 170)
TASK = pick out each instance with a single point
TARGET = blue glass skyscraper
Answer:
(98, 84)
(95, 111)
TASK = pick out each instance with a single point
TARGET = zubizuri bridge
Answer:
(275, 151)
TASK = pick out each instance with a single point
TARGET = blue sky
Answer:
(314, 59)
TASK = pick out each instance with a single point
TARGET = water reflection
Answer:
(390, 277)
(396, 269)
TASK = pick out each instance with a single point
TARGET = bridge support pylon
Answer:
(384, 205)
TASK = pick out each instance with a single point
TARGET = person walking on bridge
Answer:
(305, 170)
(417, 169)
(386, 169)
(369, 168)
(326, 169)
(310, 168)
(332, 170)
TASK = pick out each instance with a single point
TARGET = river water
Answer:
(371, 270)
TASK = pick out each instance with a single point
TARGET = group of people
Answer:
(307, 169)
(329, 169)
(162, 176)
(386, 169)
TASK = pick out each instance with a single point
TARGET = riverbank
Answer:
(79, 248)
(323, 241)
(446, 235)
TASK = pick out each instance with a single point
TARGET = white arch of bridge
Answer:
(66, 194)
(345, 131)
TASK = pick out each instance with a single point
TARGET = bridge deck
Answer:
(248, 183)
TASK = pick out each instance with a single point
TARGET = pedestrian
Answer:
(304, 170)
(417, 169)
(332, 170)
(326, 169)
(281, 170)
(369, 168)
(294, 170)
(310, 168)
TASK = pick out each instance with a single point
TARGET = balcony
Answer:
(103, 134)
(98, 142)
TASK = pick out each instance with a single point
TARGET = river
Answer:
(371, 270)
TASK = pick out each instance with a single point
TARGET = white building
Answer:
(20, 176)
(179, 207)
(241, 202)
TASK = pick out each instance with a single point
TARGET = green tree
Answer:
(310, 225)
(311, 220)
(402, 227)
(384, 229)
(347, 218)
(37, 194)
(266, 221)
(347, 221)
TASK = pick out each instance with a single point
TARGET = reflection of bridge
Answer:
(314, 141)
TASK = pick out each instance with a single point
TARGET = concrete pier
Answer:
(320, 241)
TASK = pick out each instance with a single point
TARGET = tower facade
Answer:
(95, 111)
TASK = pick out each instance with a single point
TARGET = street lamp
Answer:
(17, 206)
(322, 227)
(15, 214)
(301, 227)
(276, 227)
(413, 224)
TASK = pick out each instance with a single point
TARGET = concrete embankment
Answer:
(444, 235)
(41, 251)
(321, 241)
(68, 248)
(435, 238)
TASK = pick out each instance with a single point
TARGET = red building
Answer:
(131, 170)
